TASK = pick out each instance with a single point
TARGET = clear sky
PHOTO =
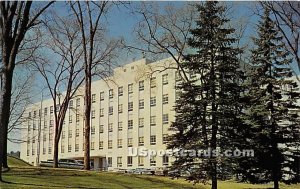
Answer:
(121, 22)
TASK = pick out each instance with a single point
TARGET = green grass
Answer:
(15, 162)
(21, 177)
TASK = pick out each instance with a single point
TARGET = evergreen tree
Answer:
(272, 129)
(208, 102)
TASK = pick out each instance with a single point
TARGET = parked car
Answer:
(159, 171)
(130, 171)
(143, 171)
(63, 163)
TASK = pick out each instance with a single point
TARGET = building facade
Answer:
(132, 108)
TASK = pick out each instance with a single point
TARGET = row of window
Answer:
(165, 120)
(165, 100)
(111, 94)
(101, 144)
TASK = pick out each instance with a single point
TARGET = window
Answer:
(50, 150)
(57, 107)
(165, 79)
(165, 118)
(77, 133)
(129, 142)
(141, 122)
(130, 124)
(120, 126)
(45, 137)
(101, 96)
(141, 85)
(34, 125)
(141, 141)
(93, 98)
(71, 104)
(93, 129)
(177, 95)
(100, 145)
(51, 123)
(153, 101)
(110, 127)
(45, 111)
(34, 114)
(29, 114)
(141, 104)
(110, 144)
(93, 114)
(153, 120)
(130, 88)
(33, 140)
(165, 138)
(63, 134)
(111, 93)
(69, 148)
(77, 102)
(153, 82)
(70, 133)
(152, 161)
(129, 161)
(44, 151)
(119, 161)
(51, 109)
(130, 106)
(111, 110)
(165, 99)
(76, 147)
(77, 118)
(101, 112)
(152, 139)
(109, 161)
(92, 145)
(165, 160)
(62, 148)
(141, 160)
(192, 74)
(70, 118)
(101, 128)
(120, 108)
(177, 76)
(33, 151)
(119, 143)
(120, 91)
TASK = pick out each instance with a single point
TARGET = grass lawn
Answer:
(20, 177)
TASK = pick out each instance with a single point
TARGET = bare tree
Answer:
(97, 54)
(15, 21)
(19, 101)
(164, 32)
(62, 74)
(287, 18)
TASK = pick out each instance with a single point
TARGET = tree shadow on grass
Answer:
(259, 188)
(50, 186)
(168, 184)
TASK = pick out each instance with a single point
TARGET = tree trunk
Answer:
(55, 154)
(87, 114)
(4, 161)
(5, 98)
(276, 184)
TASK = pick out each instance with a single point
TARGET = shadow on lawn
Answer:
(50, 186)
(169, 184)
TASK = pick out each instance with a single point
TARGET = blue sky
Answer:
(121, 21)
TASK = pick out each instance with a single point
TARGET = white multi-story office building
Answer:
(132, 108)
